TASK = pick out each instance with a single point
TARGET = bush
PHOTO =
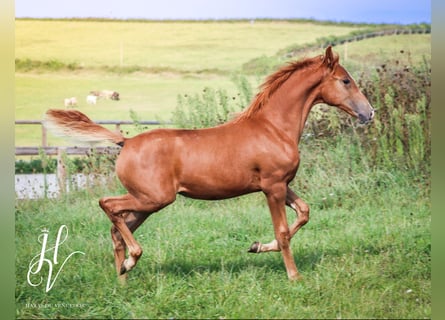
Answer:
(34, 166)
(93, 163)
(50, 65)
(212, 106)
(401, 133)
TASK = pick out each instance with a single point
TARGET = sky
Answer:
(368, 11)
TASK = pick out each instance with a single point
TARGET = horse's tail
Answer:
(77, 126)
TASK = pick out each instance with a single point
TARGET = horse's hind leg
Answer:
(119, 208)
(133, 220)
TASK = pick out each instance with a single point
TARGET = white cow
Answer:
(70, 102)
(91, 99)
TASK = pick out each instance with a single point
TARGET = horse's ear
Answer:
(330, 59)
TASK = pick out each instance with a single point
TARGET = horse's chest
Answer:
(282, 165)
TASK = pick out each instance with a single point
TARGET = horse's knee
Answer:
(302, 210)
(104, 204)
(304, 214)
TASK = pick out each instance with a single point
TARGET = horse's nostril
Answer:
(366, 118)
(362, 118)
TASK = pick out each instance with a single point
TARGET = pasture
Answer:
(176, 46)
(365, 253)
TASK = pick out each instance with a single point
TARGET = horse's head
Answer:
(340, 90)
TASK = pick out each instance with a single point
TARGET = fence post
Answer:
(61, 169)
(44, 139)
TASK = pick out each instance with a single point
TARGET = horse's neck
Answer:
(289, 107)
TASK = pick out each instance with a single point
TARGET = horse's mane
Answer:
(273, 82)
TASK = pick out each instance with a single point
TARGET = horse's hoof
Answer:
(255, 247)
(296, 277)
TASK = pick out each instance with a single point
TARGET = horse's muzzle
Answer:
(365, 118)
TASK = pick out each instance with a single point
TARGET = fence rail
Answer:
(52, 151)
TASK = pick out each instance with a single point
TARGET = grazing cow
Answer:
(91, 99)
(70, 102)
(107, 94)
(115, 95)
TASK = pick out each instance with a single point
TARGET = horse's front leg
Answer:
(302, 211)
(276, 199)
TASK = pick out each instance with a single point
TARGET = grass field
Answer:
(366, 252)
(179, 46)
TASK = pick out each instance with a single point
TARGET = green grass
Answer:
(147, 94)
(364, 254)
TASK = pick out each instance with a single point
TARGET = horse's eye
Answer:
(346, 81)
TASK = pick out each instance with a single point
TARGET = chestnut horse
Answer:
(256, 151)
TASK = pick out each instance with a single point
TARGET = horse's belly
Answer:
(213, 194)
(217, 186)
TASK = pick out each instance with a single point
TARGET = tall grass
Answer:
(401, 93)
